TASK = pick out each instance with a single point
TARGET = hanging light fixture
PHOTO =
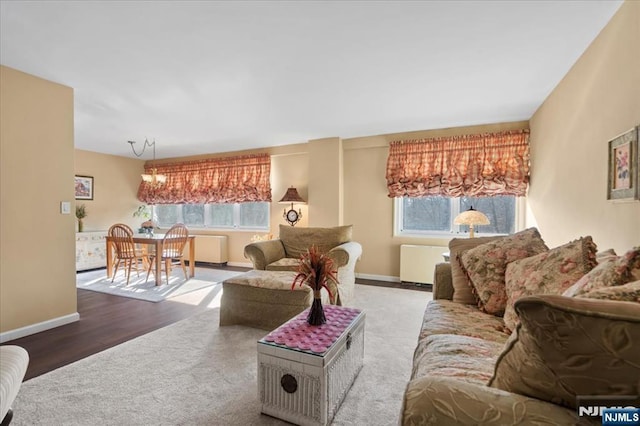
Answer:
(154, 178)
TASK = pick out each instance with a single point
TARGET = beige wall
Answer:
(367, 205)
(326, 204)
(37, 268)
(116, 180)
(360, 192)
(597, 100)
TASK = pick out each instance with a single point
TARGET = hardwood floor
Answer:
(106, 321)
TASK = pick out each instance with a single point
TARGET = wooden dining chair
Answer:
(172, 248)
(125, 250)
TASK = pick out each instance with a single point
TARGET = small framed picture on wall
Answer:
(624, 163)
(84, 187)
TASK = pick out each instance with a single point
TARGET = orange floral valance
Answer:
(220, 180)
(468, 165)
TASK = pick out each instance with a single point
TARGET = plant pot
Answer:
(80, 225)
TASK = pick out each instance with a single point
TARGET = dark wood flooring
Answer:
(106, 321)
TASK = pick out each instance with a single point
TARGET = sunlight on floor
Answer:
(207, 297)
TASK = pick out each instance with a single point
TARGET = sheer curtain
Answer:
(221, 180)
(469, 165)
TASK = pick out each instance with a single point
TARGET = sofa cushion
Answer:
(438, 400)
(462, 292)
(447, 317)
(611, 271)
(284, 264)
(564, 347)
(297, 241)
(551, 272)
(486, 265)
(629, 292)
(462, 357)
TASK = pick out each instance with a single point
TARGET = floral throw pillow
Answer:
(462, 292)
(551, 272)
(629, 292)
(566, 346)
(612, 271)
(486, 264)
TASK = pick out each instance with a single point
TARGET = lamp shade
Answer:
(471, 217)
(292, 196)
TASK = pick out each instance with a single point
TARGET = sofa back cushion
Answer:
(629, 292)
(462, 291)
(611, 271)
(297, 241)
(564, 347)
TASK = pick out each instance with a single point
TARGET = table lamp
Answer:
(471, 217)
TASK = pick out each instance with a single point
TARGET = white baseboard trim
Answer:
(386, 278)
(37, 328)
(241, 264)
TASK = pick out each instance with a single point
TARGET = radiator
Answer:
(210, 248)
(418, 263)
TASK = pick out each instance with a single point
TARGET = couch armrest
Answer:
(345, 257)
(262, 253)
(445, 401)
(345, 254)
(442, 282)
(15, 360)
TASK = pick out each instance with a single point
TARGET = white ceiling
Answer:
(215, 76)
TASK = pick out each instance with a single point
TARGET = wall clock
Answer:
(292, 196)
(292, 216)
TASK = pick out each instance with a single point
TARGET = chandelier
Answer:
(154, 178)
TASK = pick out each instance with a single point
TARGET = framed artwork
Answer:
(84, 187)
(624, 167)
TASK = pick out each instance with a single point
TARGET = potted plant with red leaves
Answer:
(316, 270)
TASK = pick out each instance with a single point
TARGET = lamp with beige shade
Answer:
(471, 217)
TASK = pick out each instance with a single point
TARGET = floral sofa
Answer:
(283, 253)
(517, 331)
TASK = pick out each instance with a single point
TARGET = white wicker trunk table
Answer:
(305, 371)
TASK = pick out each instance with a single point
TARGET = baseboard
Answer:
(241, 264)
(37, 328)
(386, 278)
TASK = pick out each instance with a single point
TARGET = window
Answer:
(433, 216)
(250, 216)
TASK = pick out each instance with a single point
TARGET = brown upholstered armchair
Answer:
(284, 253)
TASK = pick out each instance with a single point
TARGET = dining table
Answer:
(155, 241)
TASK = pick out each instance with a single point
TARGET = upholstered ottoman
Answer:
(263, 299)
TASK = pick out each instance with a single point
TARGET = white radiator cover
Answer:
(418, 263)
(210, 248)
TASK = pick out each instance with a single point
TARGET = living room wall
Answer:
(367, 205)
(115, 188)
(116, 181)
(597, 100)
(37, 278)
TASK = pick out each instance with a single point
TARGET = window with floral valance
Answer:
(238, 179)
(455, 166)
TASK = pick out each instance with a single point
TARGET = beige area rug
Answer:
(196, 373)
(137, 288)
